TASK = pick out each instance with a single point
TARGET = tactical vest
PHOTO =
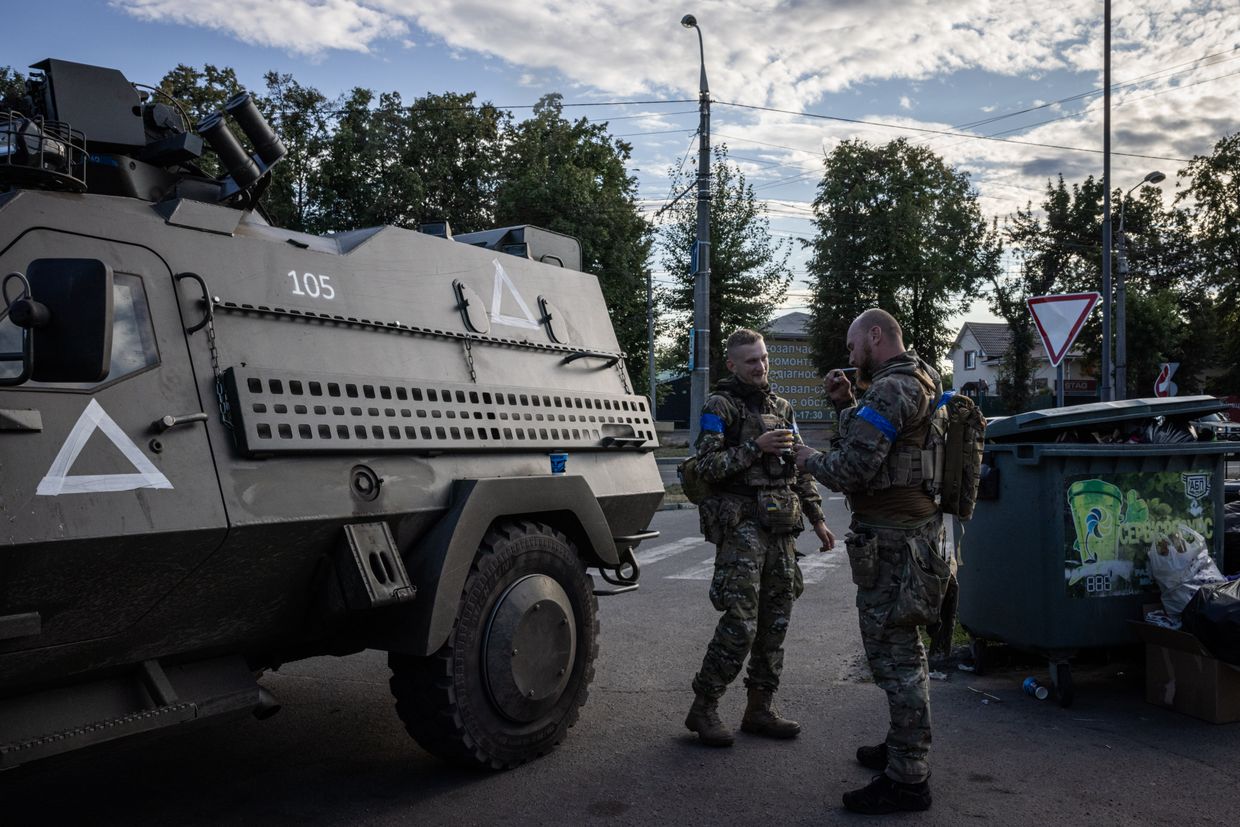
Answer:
(913, 459)
(768, 471)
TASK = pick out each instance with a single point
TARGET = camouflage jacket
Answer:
(894, 410)
(724, 459)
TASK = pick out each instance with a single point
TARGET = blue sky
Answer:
(901, 65)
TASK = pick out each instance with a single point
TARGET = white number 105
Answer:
(308, 284)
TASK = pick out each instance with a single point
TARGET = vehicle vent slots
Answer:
(280, 413)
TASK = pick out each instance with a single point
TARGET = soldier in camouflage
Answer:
(755, 511)
(878, 460)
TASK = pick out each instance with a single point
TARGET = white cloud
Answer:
(797, 54)
(308, 28)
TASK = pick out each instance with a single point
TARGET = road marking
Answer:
(646, 556)
(704, 570)
(815, 566)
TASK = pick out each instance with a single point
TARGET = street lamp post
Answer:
(699, 382)
(1121, 293)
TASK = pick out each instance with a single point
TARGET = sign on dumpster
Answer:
(1112, 519)
(1059, 320)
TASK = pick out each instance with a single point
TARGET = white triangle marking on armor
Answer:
(497, 297)
(94, 418)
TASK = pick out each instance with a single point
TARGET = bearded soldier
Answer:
(878, 460)
(753, 516)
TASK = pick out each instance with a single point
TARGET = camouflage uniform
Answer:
(756, 576)
(878, 460)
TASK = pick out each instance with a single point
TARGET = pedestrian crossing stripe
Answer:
(57, 481)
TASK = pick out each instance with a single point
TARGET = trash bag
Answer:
(1213, 616)
(1180, 564)
(1161, 431)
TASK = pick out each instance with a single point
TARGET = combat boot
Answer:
(873, 758)
(762, 719)
(883, 795)
(704, 720)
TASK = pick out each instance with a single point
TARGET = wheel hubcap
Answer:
(531, 643)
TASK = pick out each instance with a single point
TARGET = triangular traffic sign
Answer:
(94, 418)
(1059, 320)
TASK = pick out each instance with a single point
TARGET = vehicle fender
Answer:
(439, 562)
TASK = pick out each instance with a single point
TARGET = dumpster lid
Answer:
(1100, 413)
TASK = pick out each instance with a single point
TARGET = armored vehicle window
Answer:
(133, 338)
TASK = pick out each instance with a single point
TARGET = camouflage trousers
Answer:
(755, 583)
(894, 650)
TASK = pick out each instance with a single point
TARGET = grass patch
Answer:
(674, 494)
(671, 451)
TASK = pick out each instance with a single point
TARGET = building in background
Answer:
(793, 374)
(978, 349)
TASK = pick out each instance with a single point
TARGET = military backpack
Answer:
(957, 433)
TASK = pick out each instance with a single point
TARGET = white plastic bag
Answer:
(1180, 563)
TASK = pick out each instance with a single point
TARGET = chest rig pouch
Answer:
(778, 506)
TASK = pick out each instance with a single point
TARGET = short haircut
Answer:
(740, 338)
(884, 321)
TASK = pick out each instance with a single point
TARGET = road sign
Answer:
(1163, 386)
(1059, 320)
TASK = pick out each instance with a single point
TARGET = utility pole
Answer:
(699, 382)
(654, 404)
(1105, 390)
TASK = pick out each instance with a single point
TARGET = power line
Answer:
(928, 131)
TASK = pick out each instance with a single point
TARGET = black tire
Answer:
(467, 703)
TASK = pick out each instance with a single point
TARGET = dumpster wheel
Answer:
(977, 648)
(1061, 677)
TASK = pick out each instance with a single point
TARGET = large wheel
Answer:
(515, 670)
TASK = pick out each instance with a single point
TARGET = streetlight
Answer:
(699, 382)
(1121, 338)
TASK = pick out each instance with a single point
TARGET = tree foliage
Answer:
(572, 177)
(749, 273)
(897, 228)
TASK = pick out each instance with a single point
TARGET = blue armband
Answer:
(712, 423)
(878, 421)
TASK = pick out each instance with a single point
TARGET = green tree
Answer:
(455, 148)
(572, 177)
(897, 228)
(1211, 209)
(749, 274)
(299, 114)
(1051, 248)
(12, 89)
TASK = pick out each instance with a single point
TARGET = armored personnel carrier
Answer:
(225, 446)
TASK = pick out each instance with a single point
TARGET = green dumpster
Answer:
(1055, 558)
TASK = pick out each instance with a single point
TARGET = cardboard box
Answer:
(1182, 675)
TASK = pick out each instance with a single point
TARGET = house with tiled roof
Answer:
(979, 348)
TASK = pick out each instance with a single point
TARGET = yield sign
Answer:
(1059, 319)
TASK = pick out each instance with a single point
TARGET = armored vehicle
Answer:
(225, 446)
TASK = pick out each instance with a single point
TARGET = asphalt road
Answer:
(336, 754)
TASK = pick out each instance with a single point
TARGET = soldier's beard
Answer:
(865, 369)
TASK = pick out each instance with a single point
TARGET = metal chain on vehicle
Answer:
(469, 360)
(220, 396)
